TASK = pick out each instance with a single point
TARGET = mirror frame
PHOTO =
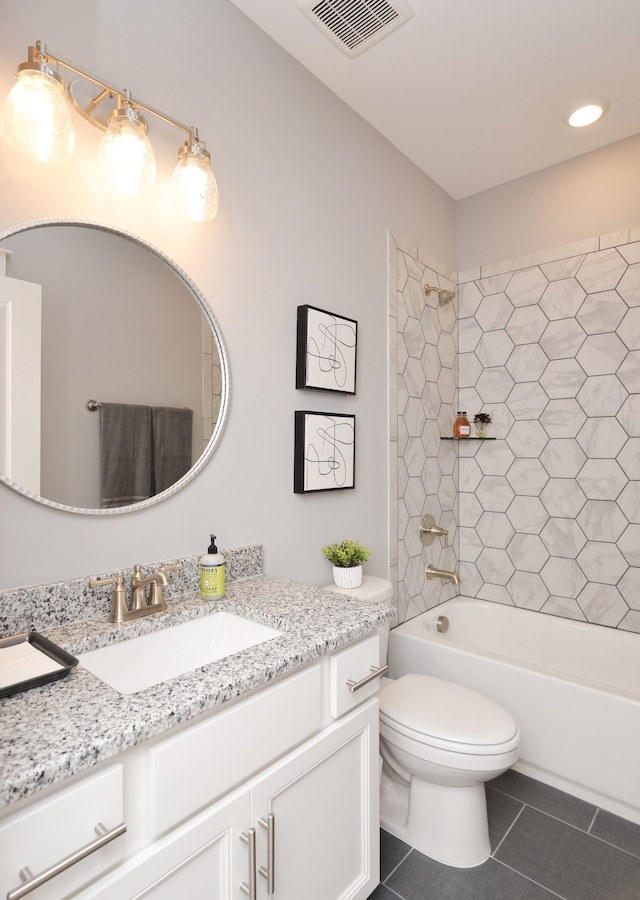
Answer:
(207, 453)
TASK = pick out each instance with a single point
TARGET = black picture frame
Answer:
(326, 351)
(324, 452)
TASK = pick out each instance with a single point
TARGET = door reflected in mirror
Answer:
(91, 313)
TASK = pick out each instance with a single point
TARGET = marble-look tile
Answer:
(527, 515)
(629, 501)
(494, 348)
(527, 438)
(494, 385)
(494, 493)
(602, 604)
(603, 395)
(526, 325)
(563, 537)
(527, 362)
(493, 284)
(602, 520)
(562, 338)
(528, 590)
(620, 238)
(562, 268)
(601, 479)
(563, 378)
(496, 593)
(526, 286)
(602, 562)
(563, 578)
(562, 299)
(562, 418)
(629, 415)
(527, 477)
(563, 497)
(601, 271)
(494, 530)
(629, 544)
(629, 285)
(601, 312)
(601, 438)
(527, 552)
(601, 354)
(469, 334)
(494, 457)
(562, 458)
(566, 607)
(494, 312)
(527, 400)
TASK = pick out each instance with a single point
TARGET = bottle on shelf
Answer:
(461, 427)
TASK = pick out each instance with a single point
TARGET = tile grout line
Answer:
(550, 891)
(508, 831)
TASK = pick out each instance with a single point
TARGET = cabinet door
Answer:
(321, 803)
(205, 859)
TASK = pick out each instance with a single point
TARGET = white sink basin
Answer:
(141, 662)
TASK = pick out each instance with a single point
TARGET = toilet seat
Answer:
(447, 716)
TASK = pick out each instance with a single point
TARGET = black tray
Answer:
(44, 646)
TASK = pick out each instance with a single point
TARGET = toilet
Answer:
(439, 743)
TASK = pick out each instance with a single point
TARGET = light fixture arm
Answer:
(41, 54)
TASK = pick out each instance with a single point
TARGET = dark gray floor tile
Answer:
(392, 852)
(545, 798)
(618, 832)
(502, 811)
(421, 878)
(565, 860)
(382, 893)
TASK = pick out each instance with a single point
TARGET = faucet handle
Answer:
(118, 596)
(167, 569)
(429, 530)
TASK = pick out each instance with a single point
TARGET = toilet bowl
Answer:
(440, 742)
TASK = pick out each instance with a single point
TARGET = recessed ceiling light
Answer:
(587, 114)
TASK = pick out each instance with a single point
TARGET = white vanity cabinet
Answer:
(273, 797)
(313, 817)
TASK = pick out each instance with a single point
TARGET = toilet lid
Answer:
(427, 707)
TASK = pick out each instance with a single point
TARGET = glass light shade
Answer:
(38, 118)
(586, 115)
(127, 156)
(196, 187)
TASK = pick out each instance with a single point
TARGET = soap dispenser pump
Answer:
(212, 573)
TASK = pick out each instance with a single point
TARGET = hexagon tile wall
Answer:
(549, 513)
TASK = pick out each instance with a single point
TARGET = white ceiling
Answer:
(474, 92)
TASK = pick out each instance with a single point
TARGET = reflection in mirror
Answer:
(91, 313)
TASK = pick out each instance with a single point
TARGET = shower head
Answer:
(445, 296)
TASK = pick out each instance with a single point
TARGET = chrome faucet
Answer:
(140, 606)
(432, 572)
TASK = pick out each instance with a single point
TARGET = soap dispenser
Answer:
(212, 573)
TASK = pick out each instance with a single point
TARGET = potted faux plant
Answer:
(481, 421)
(347, 558)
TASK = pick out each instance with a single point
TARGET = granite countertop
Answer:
(55, 731)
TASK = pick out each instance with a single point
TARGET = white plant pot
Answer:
(347, 578)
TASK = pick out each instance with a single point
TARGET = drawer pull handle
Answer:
(375, 673)
(250, 889)
(270, 824)
(31, 882)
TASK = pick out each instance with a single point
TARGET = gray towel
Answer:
(126, 474)
(171, 430)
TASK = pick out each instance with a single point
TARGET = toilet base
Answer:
(448, 824)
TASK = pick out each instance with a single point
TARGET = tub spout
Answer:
(432, 572)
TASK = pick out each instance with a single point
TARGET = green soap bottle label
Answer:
(212, 580)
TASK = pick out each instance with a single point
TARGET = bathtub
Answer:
(573, 688)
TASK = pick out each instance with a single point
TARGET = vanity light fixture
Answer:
(39, 126)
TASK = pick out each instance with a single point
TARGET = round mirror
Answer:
(114, 379)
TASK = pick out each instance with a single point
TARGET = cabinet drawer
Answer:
(353, 664)
(193, 768)
(52, 830)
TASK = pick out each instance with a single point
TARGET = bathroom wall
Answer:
(423, 338)
(549, 512)
(307, 193)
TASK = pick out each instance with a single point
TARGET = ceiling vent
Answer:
(354, 25)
